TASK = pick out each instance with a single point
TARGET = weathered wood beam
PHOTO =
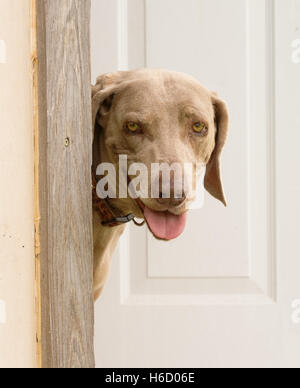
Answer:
(63, 165)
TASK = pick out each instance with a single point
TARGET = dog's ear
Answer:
(213, 180)
(103, 94)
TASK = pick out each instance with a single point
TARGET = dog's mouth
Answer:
(163, 224)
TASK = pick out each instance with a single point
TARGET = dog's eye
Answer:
(133, 127)
(199, 128)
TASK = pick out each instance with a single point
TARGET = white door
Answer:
(227, 293)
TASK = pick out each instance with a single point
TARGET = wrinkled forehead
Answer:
(162, 94)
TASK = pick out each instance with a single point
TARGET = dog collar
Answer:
(110, 216)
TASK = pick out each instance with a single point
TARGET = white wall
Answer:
(17, 260)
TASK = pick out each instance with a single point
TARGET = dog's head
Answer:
(158, 116)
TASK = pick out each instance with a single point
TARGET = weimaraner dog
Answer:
(152, 116)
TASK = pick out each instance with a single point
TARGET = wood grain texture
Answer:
(66, 257)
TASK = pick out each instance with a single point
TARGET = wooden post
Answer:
(63, 140)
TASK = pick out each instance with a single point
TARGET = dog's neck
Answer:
(105, 238)
(109, 216)
(105, 242)
(112, 213)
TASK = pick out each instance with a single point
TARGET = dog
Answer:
(152, 116)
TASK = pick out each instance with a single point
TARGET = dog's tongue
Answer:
(165, 225)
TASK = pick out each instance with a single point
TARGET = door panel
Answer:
(221, 294)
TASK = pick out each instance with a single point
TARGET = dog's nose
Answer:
(172, 201)
(170, 195)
